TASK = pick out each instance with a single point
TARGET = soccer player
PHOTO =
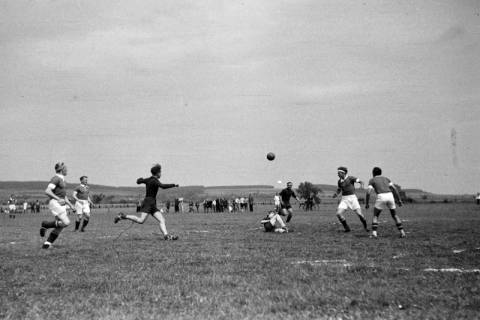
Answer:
(274, 223)
(57, 193)
(276, 201)
(386, 195)
(12, 206)
(149, 205)
(349, 200)
(81, 194)
(285, 206)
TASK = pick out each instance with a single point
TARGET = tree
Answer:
(307, 189)
(97, 198)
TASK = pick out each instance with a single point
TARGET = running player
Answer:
(386, 195)
(285, 206)
(349, 200)
(81, 194)
(57, 193)
(149, 205)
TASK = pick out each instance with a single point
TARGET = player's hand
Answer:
(367, 206)
(61, 202)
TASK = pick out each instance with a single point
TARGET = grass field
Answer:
(225, 267)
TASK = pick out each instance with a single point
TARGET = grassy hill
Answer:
(33, 190)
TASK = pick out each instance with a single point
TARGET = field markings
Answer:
(455, 270)
(336, 262)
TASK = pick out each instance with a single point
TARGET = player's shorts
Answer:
(12, 208)
(82, 206)
(269, 227)
(349, 202)
(56, 208)
(385, 201)
(149, 205)
(286, 206)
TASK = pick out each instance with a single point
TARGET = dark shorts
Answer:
(149, 205)
(268, 227)
(286, 206)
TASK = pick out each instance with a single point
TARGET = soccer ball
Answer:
(270, 156)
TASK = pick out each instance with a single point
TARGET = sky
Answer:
(208, 88)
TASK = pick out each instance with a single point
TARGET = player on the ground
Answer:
(349, 200)
(149, 205)
(57, 193)
(386, 195)
(274, 223)
(81, 194)
(285, 206)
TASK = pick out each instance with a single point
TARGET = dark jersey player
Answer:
(349, 200)
(285, 206)
(149, 204)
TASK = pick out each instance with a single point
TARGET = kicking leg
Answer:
(61, 222)
(362, 218)
(342, 219)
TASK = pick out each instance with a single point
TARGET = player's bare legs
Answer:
(161, 220)
(376, 214)
(398, 223)
(140, 220)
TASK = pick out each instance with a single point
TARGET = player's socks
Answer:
(53, 236)
(85, 222)
(344, 223)
(77, 225)
(364, 222)
(289, 217)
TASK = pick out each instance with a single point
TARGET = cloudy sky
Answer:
(207, 88)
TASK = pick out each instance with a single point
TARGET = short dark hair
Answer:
(81, 178)
(376, 171)
(59, 166)
(156, 169)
